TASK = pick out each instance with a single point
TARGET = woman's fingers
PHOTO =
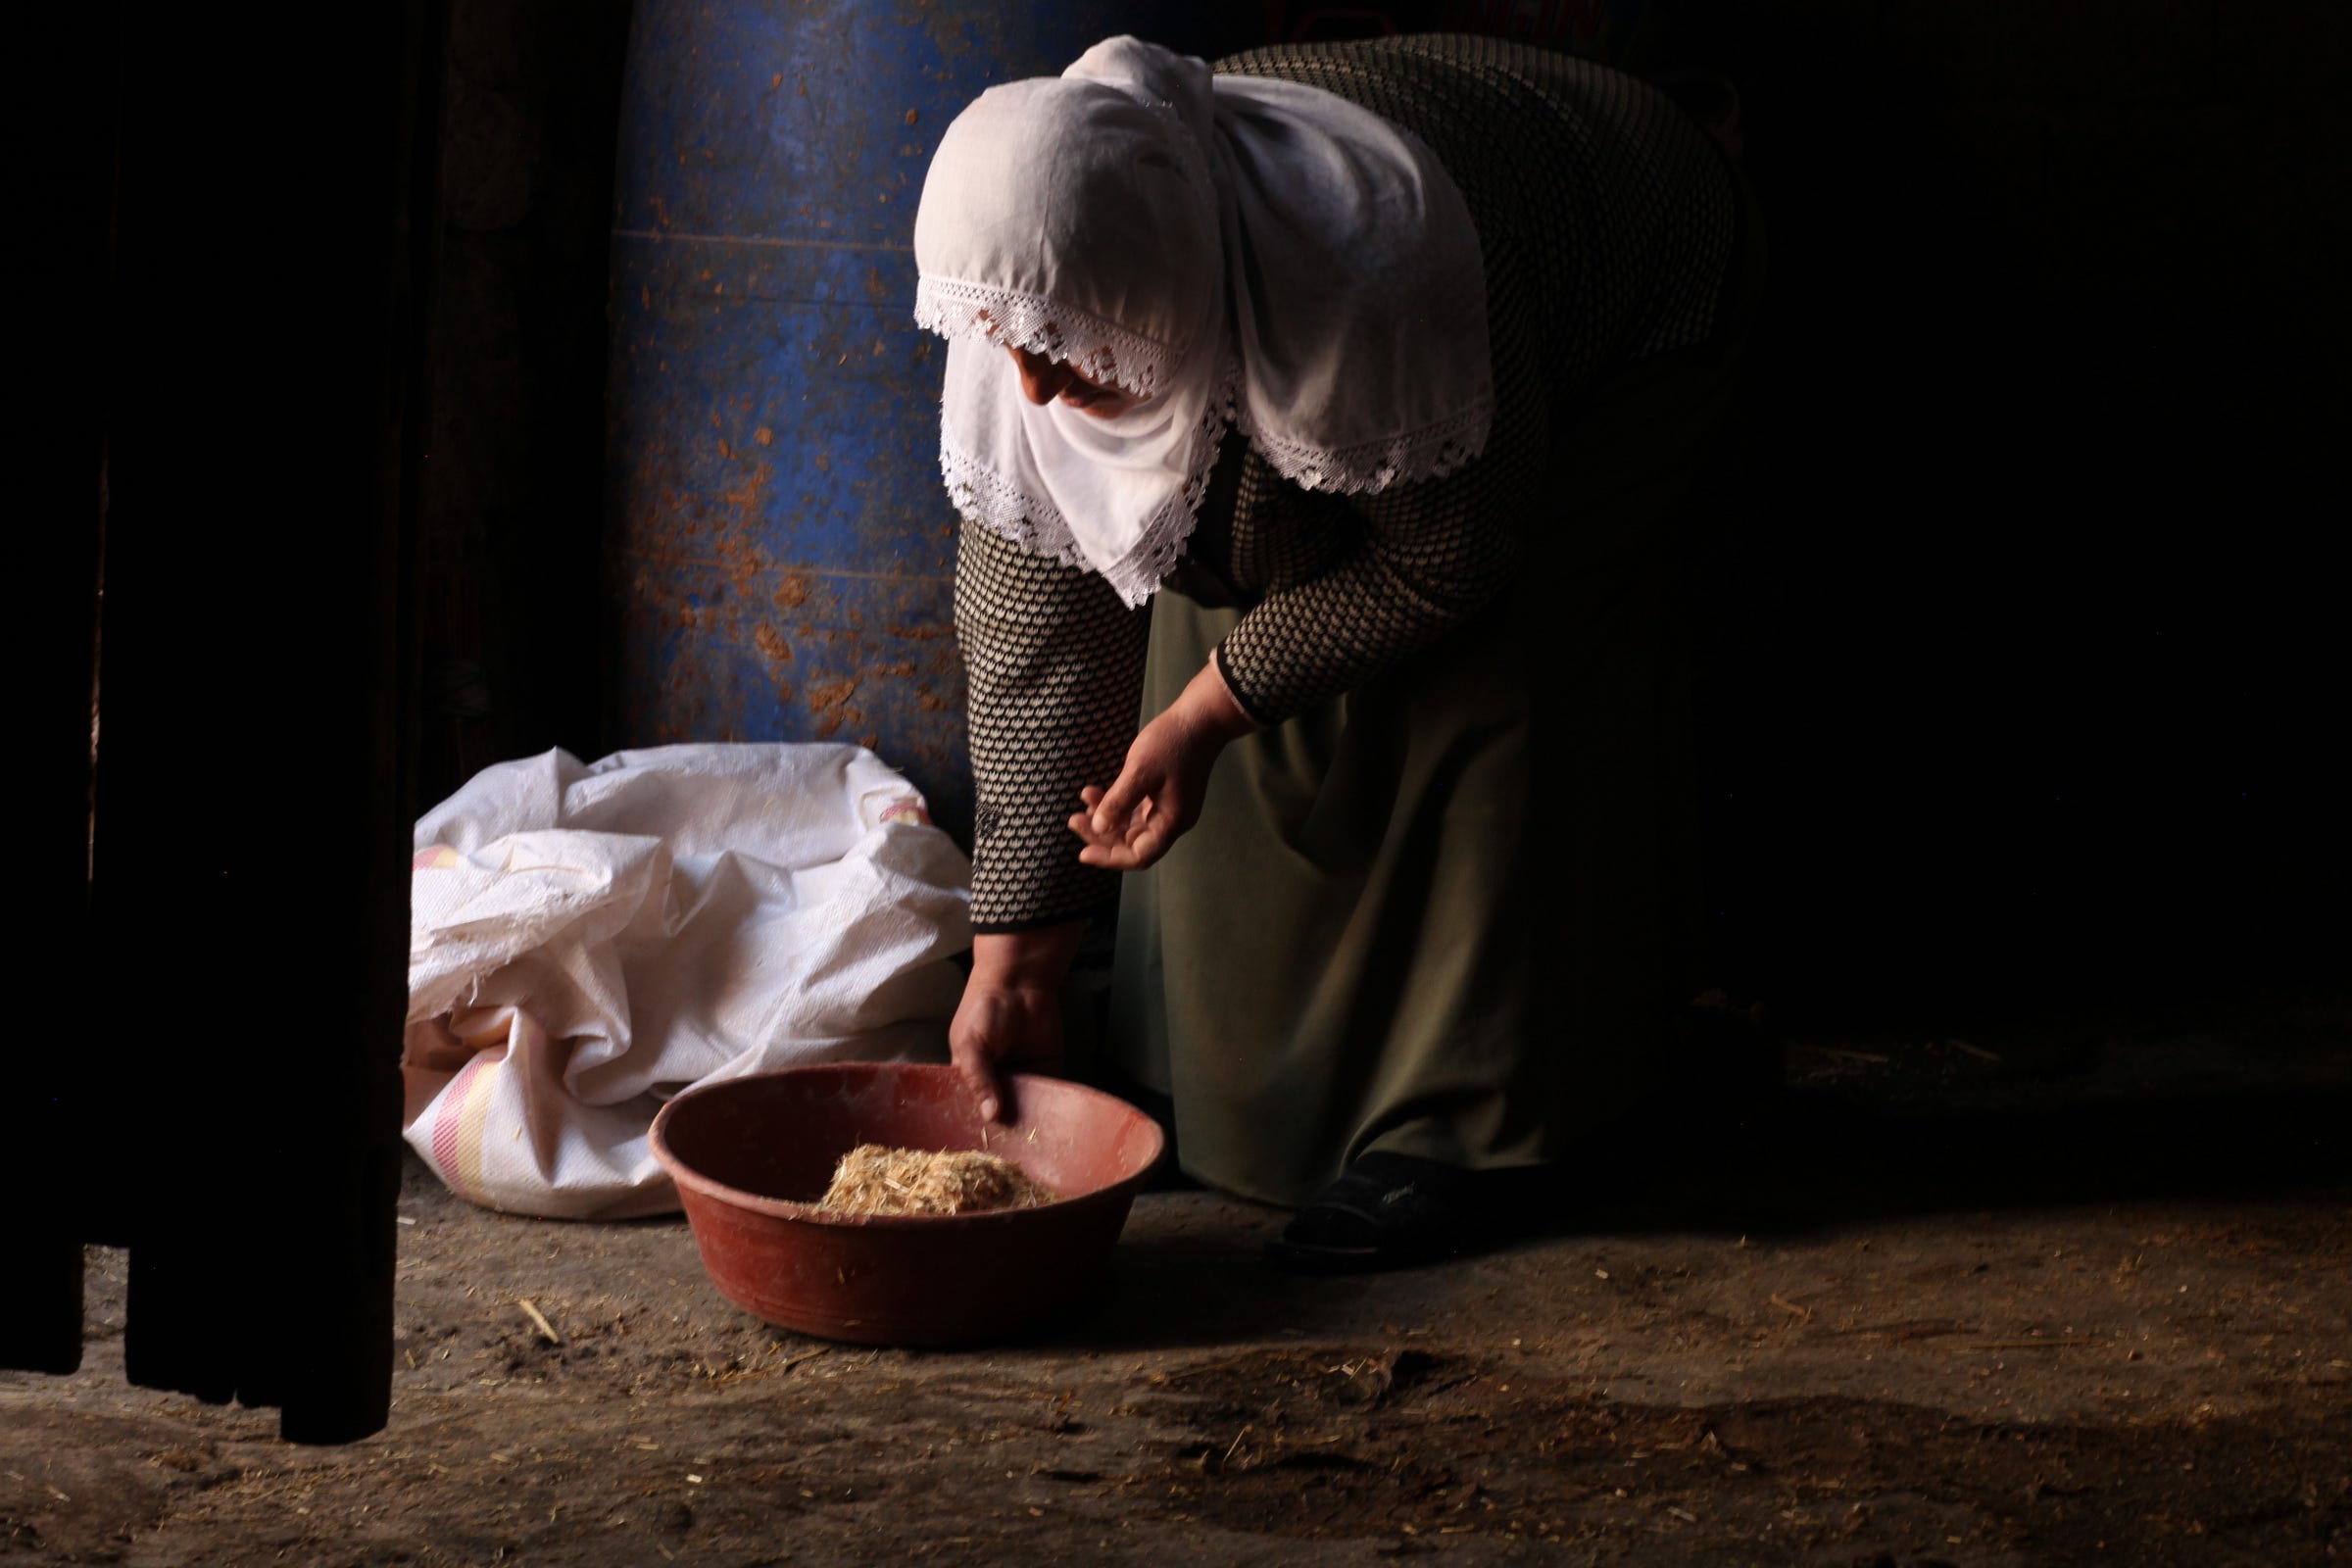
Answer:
(1131, 824)
(975, 1063)
(1126, 795)
(1146, 846)
(981, 1084)
(1123, 826)
(1082, 823)
(1114, 815)
(998, 1030)
(1142, 840)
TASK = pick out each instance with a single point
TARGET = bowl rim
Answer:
(687, 1177)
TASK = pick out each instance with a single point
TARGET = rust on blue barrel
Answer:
(785, 552)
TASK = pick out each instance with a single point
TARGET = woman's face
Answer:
(1043, 381)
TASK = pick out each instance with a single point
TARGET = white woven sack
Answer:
(586, 940)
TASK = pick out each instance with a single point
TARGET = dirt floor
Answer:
(2073, 1292)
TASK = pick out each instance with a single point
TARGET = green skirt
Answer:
(1455, 912)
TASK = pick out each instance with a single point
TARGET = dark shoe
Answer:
(1386, 1212)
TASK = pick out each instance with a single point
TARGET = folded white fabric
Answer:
(586, 940)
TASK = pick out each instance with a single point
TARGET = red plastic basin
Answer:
(752, 1156)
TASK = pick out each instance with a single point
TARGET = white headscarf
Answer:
(1225, 248)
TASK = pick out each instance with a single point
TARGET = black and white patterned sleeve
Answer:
(1606, 224)
(1409, 566)
(1055, 666)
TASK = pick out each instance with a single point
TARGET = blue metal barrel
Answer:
(785, 551)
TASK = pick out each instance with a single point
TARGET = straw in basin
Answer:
(874, 1180)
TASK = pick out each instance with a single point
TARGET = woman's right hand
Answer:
(1011, 1015)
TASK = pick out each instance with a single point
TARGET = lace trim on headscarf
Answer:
(980, 495)
(1429, 453)
(1102, 352)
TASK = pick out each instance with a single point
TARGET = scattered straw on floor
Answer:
(874, 1180)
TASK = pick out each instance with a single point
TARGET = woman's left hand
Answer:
(1158, 792)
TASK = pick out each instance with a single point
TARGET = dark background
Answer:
(2017, 601)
